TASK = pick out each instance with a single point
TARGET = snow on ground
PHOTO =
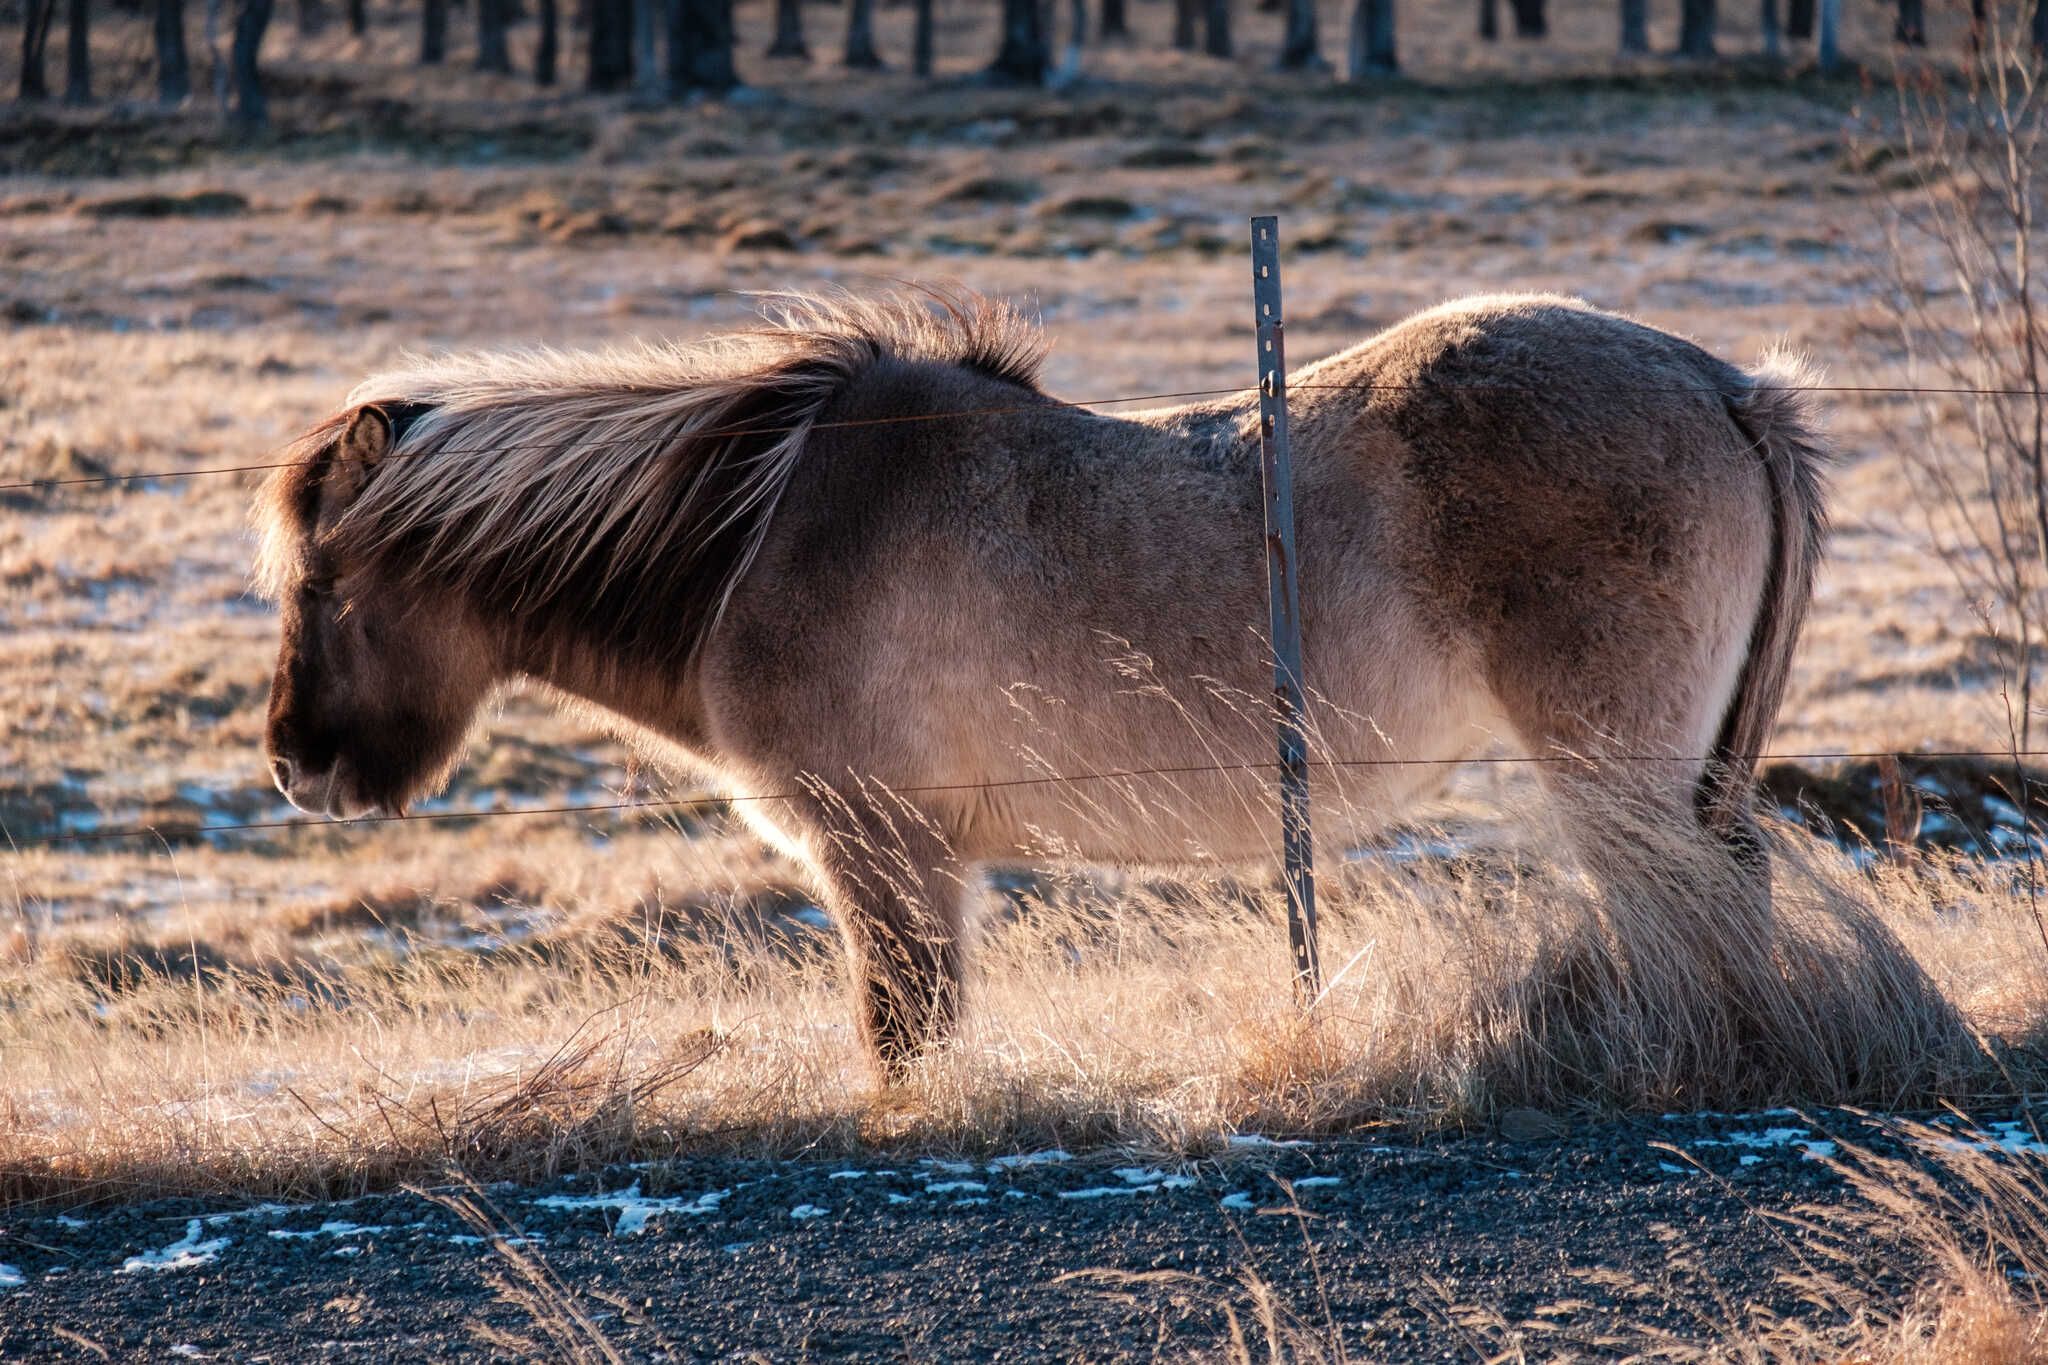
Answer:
(183, 1254)
(1051, 1157)
(633, 1208)
(1815, 1149)
(332, 1229)
(10, 1278)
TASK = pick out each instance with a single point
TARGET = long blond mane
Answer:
(541, 479)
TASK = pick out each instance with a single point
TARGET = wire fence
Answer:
(685, 804)
(1111, 775)
(1040, 406)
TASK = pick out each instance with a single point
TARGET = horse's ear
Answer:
(364, 445)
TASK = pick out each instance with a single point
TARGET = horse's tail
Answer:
(1771, 407)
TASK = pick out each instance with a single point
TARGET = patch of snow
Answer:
(896, 1198)
(470, 1239)
(1750, 1160)
(1050, 1157)
(1015, 1194)
(1313, 1182)
(1260, 1140)
(848, 1175)
(1671, 1169)
(65, 1220)
(1237, 1201)
(807, 1211)
(2006, 1136)
(1104, 1191)
(214, 1220)
(1811, 1148)
(633, 1208)
(813, 916)
(962, 1203)
(954, 1186)
(735, 1247)
(10, 1278)
(948, 1167)
(183, 1254)
(328, 1230)
(346, 1251)
(186, 1348)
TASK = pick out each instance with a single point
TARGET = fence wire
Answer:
(1122, 774)
(685, 804)
(1019, 408)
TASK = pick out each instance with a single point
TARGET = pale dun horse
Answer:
(823, 558)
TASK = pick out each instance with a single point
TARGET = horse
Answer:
(862, 568)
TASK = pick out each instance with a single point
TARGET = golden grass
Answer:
(1158, 1016)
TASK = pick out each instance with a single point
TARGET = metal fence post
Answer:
(1284, 608)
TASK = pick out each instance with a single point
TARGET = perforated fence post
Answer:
(1284, 609)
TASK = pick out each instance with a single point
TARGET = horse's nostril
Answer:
(281, 773)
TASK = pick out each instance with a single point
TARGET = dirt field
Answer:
(321, 1012)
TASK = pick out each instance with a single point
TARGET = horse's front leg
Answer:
(896, 888)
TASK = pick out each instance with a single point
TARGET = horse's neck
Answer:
(654, 701)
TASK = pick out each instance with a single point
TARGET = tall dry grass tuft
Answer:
(1676, 987)
(1104, 1010)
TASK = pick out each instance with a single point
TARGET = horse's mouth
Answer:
(334, 794)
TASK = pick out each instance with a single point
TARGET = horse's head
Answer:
(378, 678)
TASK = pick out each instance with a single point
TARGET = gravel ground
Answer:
(1425, 1251)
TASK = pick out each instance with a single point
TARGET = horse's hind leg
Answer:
(895, 888)
(1682, 871)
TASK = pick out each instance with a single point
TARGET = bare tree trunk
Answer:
(307, 16)
(433, 32)
(1529, 18)
(1799, 20)
(1069, 69)
(860, 36)
(35, 40)
(700, 36)
(1301, 49)
(1186, 15)
(173, 67)
(252, 18)
(611, 44)
(550, 49)
(1635, 27)
(492, 53)
(77, 54)
(1489, 19)
(219, 68)
(1827, 52)
(358, 17)
(789, 31)
(1216, 28)
(921, 43)
(1372, 40)
(1696, 29)
(2041, 27)
(1773, 32)
(1910, 27)
(1112, 22)
(647, 23)
(1022, 56)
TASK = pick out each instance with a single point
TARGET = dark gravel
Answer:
(1424, 1250)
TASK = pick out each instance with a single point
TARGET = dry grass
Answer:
(1154, 1016)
